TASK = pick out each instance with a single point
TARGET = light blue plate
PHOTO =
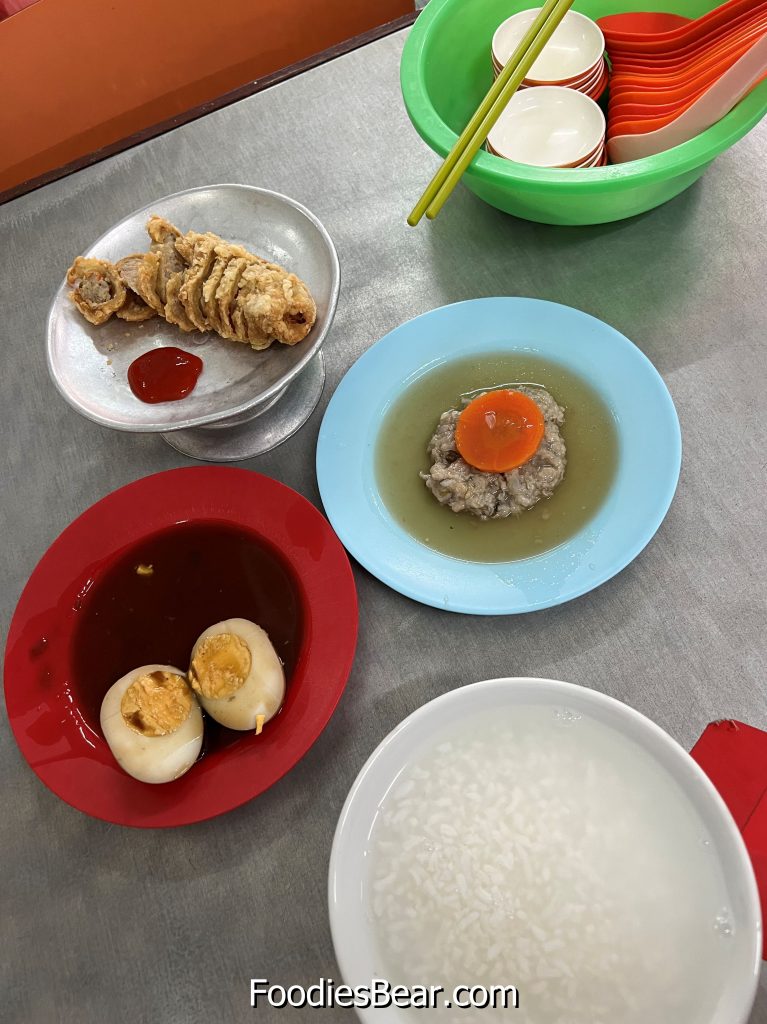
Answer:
(649, 455)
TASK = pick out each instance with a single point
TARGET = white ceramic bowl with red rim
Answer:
(591, 75)
(595, 159)
(576, 46)
(548, 126)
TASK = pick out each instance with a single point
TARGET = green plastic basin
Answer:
(446, 70)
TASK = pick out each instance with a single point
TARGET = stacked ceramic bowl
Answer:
(550, 126)
(573, 58)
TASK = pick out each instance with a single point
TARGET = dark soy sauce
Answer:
(200, 574)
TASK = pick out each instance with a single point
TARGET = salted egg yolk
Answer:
(220, 665)
(499, 430)
(156, 703)
(237, 674)
(153, 724)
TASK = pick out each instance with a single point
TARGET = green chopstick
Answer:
(489, 110)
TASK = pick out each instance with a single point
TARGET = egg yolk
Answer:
(220, 666)
(156, 704)
(499, 431)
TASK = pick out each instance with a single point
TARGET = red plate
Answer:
(69, 619)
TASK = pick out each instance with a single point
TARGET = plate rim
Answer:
(157, 427)
(415, 588)
(17, 669)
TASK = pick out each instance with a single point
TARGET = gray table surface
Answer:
(101, 923)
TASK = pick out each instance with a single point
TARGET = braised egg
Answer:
(153, 724)
(237, 674)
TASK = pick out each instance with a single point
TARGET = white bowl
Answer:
(589, 161)
(593, 84)
(582, 83)
(590, 76)
(594, 159)
(548, 126)
(351, 917)
(576, 45)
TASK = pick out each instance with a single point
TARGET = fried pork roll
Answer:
(169, 260)
(138, 303)
(276, 304)
(97, 289)
(198, 282)
(240, 295)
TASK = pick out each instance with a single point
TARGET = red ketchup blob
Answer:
(164, 374)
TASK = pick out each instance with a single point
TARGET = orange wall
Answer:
(76, 75)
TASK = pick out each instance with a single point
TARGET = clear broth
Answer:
(592, 457)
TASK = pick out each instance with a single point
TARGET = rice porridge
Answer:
(540, 848)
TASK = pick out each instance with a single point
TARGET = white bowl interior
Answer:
(575, 46)
(351, 917)
(548, 126)
(89, 364)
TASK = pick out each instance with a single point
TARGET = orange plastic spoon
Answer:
(640, 23)
(701, 51)
(728, 15)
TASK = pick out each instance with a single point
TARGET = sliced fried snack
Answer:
(170, 261)
(161, 231)
(198, 281)
(174, 312)
(136, 307)
(247, 326)
(147, 282)
(247, 331)
(277, 304)
(190, 292)
(97, 289)
(209, 289)
(129, 269)
(185, 244)
(226, 296)
(218, 307)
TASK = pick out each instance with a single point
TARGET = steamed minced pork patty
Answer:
(461, 487)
